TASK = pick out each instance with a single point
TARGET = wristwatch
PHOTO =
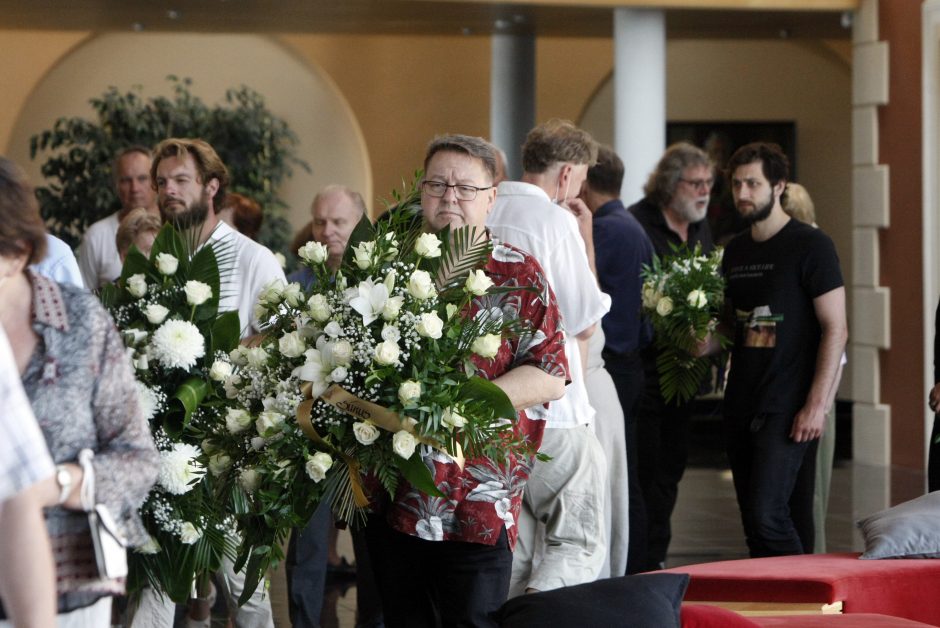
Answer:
(63, 478)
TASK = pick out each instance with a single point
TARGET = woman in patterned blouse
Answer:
(83, 393)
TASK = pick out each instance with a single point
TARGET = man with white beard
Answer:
(672, 212)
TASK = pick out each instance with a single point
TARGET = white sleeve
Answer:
(580, 299)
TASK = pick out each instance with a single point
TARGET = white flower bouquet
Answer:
(167, 310)
(357, 372)
(682, 297)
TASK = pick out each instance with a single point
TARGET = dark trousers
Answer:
(765, 464)
(305, 567)
(437, 583)
(662, 450)
(933, 457)
(627, 372)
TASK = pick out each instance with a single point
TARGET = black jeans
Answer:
(662, 453)
(765, 464)
(627, 372)
(437, 583)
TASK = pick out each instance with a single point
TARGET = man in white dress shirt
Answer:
(562, 538)
(98, 256)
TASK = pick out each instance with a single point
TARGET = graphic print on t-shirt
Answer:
(760, 327)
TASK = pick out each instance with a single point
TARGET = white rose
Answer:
(697, 299)
(291, 345)
(386, 353)
(281, 260)
(664, 307)
(428, 245)
(391, 333)
(420, 285)
(167, 264)
(220, 370)
(188, 532)
(430, 325)
(339, 374)
(650, 296)
(137, 285)
(319, 308)
(404, 444)
(155, 313)
(409, 391)
(333, 329)
(237, 420)
(269, 422)
(272, 293)
(293, 294)
(487, 346)
(453, 419)
(362, 254)
(150, 546)
(208, 447)
(239, 355)
(313, 252)
(365, 432)
(249, 479)
(342, 352)
(218, 463)
(197, 292)
(392, 308)
(317, 466)
(478, 283)
(257, 356)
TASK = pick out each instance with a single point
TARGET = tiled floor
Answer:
(706, 526)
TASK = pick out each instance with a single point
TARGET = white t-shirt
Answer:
(98, 257)
(525, 217)
(24, 457)
(255, 267)
(59, 263)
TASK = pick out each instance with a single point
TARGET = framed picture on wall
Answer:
(720, 140)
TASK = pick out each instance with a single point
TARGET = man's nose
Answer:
(450, 193)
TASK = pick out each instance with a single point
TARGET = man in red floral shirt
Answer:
(447, 561)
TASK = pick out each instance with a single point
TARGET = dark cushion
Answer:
(707, 616)
(641, 601)
(909, 530)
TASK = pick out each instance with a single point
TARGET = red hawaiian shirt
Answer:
(485, 497)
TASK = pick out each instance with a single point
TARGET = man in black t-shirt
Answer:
(786, 293)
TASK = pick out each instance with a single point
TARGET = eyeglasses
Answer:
(700, 184)
(437, 189)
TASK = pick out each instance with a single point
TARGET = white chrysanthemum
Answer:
(178, 344)
(148, 400)
(180, 469)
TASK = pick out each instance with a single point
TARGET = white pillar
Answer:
(512, 95)
(639, 94)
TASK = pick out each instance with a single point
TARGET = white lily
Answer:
(370, 301)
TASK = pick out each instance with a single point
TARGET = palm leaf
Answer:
(462, 250)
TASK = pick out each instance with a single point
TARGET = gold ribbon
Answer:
(345, 401)
(305, 419)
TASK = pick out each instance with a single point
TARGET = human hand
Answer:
(808, 424)
(583, 215)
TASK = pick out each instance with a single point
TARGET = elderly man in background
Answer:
(456, 572)
(98, 257)
(566, 500)
(672, 213)
(335, 212)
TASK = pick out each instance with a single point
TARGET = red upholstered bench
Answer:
(905, 588)
(700, 616)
